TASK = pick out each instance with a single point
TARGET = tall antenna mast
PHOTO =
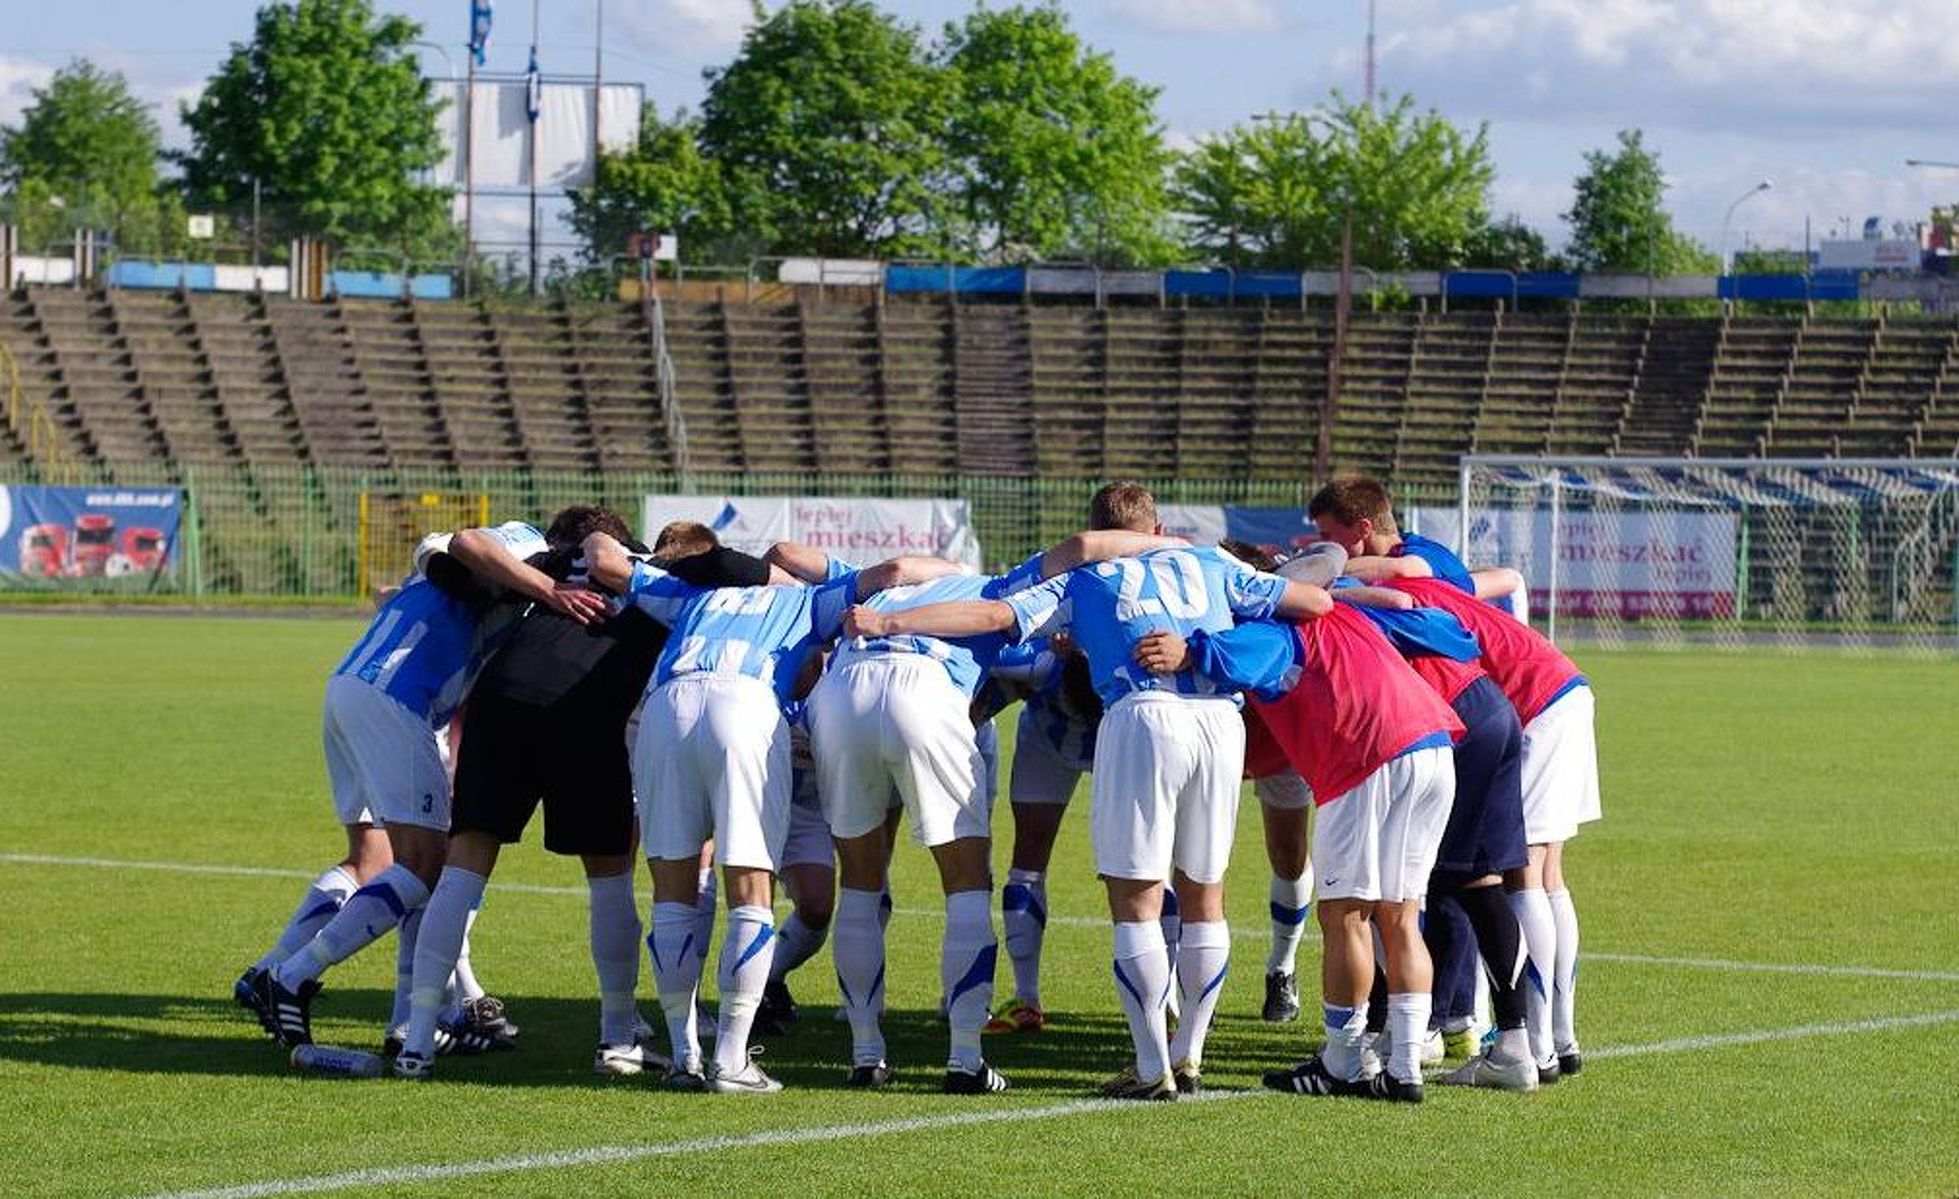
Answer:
(1369, 96)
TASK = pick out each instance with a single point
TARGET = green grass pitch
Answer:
(1776, 874)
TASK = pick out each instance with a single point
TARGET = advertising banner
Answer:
(58, 534)
(859, 531)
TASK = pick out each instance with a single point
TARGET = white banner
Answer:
(1629, 564)
(859, 531)
(501, 148)
(1199, 524)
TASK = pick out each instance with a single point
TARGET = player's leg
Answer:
(1577, 761)
(1564, 973)
(438, 943)
(812, 889)
(1285, 806)
(1039, 787)
(675, 821)
(1559, 786)
(1422, 787)
(1206, 825)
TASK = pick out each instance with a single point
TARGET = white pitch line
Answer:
(1240, 932)
(606, 1155)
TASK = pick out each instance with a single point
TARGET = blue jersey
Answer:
(1110, 606)
(1442, 560)
(761, 633)
(966, 659)
(1047, 712)
(424, 646)
(1419, 632)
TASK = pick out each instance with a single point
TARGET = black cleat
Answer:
(1310, 1077)
(1281, 998)
(1131, 1086)
(778, 1010)
(1189, 1079)
(983, 1081)
(291, 1011)
(1548, 1074)
(245, 992)
(1570, 1063)
(870, 1077)
(1386, 1087)
(485, 1014)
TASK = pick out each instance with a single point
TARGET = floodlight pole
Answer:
(1743, 198)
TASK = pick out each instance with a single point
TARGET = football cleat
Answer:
(749, 1080)
(1481, 1071)
(870, 1077)
(1385, 1086)
(1281, 998)
(686, 1077)
(625, 1061)
(983, 1081)
(1570, 1062)
(291, 1011)
(1129, 1085)
(1310, 1077)
(1549, 1072)
(486, 1014)
(1017, 1015)
(778, 1009)
(1434, 1047)
(414, 1067)
(1459, 1044)
(1189, 1079)
(245, 992)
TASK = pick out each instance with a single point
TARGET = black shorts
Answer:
(515, 756)
(1485, 834)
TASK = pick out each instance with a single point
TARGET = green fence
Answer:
(296, 531)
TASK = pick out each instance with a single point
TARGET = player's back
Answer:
(1116, 604)
(966, 659)
(419, 649)
(762, 633)
(1530, 669)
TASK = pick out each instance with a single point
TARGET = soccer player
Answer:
(1371, 740)
(1357, 514)
(385, 706)
(1167, 761)
(1560, 785)
(547, 723)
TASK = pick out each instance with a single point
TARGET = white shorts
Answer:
(1285, 791)
(896, 721)
(1379, 840)
(1560, 771)
(1165, 791)
(382, 760)
(1040, 774)
(712, 762)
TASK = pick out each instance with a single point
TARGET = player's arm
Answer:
(1256, 656)
(1495, 582)
(1304, 601)
(1380, 568)
(485, 555)
(1365, 596)
(807, 563)
(1102, 545)
(960, 618)
(902, 572)
(607, 564)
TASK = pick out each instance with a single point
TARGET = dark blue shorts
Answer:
(1485, 834)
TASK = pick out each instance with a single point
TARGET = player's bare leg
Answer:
(1346, 977)
(1411, 984)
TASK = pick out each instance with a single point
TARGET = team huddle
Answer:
(745, 724)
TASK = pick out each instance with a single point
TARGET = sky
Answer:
(1825, 98)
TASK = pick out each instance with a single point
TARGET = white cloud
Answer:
(694, 29)
(1770, 68)
(1199, 16)
(18, 79)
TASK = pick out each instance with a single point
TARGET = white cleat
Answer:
(625, 1061)
(1494, 1074)
(1433, 1050)
(749, 1080)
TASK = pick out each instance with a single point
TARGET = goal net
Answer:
(1850, 553)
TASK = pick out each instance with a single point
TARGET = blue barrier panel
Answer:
(1548, 285)
(432, 287)
(916, 278)
(1197, 283)
(1495, 285)
(1823, 285)
(163, 276)
(1273, 284)
(378, 286)
(990, 280)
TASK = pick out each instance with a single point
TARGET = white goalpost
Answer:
(1848, 553)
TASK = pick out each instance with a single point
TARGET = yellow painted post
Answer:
(361, 551)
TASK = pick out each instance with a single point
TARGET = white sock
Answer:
(1292, 900)
(677, 971)
(1203, 956)
(966, 960)
(795, 943)
(1564, 976)
(1024, 918)
(1346, 1032)
(704, 904)
(444, 924)
(320, 904)
(615, 932)
(1540, 927)
(1172, 924)
(405, 935)
(746, 953)
(364, 919)
(1142, 963)
(1408, 1018)
(859, 952)
(466, 985)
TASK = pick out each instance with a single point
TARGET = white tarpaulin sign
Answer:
(1627, 564)
(501, 149)
(859, 531)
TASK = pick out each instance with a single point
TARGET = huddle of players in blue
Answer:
(746, 724)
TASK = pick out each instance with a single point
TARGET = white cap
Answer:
(434, 543)
(1318, 564)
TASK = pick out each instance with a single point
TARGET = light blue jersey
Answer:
(1110, 606)
(760, 633)
(1047, 713)
(424, 646)
(966, 659)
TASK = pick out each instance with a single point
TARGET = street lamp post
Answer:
(1743, 198)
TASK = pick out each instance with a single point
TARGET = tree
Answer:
(1618, 218)
(327, 110)
(662, 185)
(828, 128)
(1277, 194)
(1509, 245)
(85, 156)
(1055, 153)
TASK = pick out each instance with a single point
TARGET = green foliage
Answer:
(1618, 217)
(85, 156)
(1509, 245)
(1056, 154)
(1277, 193)
(828, 131)
(664, 184)
(327, 108)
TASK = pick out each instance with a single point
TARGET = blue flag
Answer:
(481, 12)
(533, 89)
